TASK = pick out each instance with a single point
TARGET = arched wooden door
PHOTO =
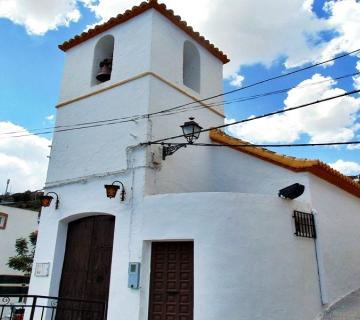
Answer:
(87, 266)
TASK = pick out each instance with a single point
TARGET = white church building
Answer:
(201, 234)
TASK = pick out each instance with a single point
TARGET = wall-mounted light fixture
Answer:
(292, 192)
(45, 200)
(191, 132)
(111, 190)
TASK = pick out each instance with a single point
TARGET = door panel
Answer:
(171, 281)
(100, 259)
(87, 266)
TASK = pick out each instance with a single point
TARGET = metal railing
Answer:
(33, 307)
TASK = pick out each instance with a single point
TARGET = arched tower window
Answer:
(103, 57)
(191, 66)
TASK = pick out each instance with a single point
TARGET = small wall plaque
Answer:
(42, 269)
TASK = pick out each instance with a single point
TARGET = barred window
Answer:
(304, 224)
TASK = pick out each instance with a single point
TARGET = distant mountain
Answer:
(23, 200)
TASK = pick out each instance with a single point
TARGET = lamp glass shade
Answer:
(45, 201)
(191, 130)
(111, 190)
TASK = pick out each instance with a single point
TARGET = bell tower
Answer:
(138, 63)
(119, 79)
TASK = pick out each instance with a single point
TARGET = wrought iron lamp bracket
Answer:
(57, 199)
(122, 197)
(171, 149)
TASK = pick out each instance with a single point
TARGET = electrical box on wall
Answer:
(134, 275)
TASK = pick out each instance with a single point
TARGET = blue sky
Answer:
(259, 38)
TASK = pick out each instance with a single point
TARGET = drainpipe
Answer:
(320, 260)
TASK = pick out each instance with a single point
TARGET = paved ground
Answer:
(346, 309)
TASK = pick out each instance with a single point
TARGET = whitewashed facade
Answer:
(15, 223)
(247, 262)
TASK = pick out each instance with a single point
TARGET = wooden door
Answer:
(87, 266)
(172, 281)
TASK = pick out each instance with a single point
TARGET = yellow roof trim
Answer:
(316, 167)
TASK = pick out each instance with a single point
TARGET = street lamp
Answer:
(191, 132)
(111, 190)
(45, 200)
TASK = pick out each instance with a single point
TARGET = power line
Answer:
(204, 130)
(218, 95)
(264, 115)
(271, 78)
(85, 125)
(71, 129)
(275, 92)
(248, 145)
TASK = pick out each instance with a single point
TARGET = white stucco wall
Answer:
(247, 260)
(248, 263)
(167, 58)
(208, 169)
(101, 149)
(338, 216)
(20, 224)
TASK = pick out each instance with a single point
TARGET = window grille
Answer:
(304, 224)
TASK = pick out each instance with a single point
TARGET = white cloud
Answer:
(50, 117)
(23, 160)
(348, 168)
(197, 13)
(344, 18)
(236, 80)
(333, 121)
(40, 16)
(308, 5)
(357, 78)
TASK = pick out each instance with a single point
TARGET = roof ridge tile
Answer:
(135, 11)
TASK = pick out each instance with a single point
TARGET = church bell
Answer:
(105, 70)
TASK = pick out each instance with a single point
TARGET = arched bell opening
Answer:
(103, 60)
(191, 66)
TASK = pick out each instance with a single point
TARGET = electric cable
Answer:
(70, 129)
(204, 130)
(250, 145)
(248, 98)
(263, 116)
(164, 112)
(272, 78)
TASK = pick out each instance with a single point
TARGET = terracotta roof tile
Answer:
(316, 167)
(137, 10)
